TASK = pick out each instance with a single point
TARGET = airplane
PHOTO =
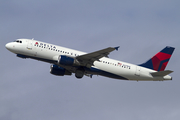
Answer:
(65, 61)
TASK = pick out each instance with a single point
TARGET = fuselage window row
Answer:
(76, 55)
(116, 64)
(57, 50)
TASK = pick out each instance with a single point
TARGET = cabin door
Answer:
(29, 45)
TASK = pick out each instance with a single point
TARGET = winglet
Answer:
(117, 48)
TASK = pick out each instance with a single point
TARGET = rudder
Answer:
(160, 60)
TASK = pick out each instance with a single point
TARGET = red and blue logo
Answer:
(160, 60)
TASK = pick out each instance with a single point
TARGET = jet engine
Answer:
(69, 61)
(59, 71)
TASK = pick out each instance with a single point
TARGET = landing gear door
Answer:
(138, 69)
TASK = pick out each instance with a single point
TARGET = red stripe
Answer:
(162, 56)
(156, 62)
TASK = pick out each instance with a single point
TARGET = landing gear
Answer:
(79, 73)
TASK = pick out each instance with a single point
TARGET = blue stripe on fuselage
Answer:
(104, 73)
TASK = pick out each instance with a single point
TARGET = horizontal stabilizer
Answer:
(161, 73)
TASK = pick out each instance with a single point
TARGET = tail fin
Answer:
(160, 60)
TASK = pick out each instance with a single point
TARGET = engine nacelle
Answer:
(68, 61)
(59, 71)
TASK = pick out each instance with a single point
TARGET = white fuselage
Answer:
(50, 53)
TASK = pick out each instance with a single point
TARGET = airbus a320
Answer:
(65, 61)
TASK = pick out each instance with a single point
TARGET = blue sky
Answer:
(141, 29)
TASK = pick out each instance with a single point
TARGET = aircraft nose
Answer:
(8, 46)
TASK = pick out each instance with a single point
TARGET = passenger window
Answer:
(20, 41)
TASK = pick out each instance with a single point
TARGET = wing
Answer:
(88, 59)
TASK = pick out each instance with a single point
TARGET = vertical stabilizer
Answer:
(160, 60)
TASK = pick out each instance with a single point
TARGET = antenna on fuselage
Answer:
(32, 38)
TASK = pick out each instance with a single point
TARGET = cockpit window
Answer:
(18, 41)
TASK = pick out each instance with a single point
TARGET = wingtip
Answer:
(117, 48)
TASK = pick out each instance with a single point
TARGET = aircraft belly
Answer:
(110, 71)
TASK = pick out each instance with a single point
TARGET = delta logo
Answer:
(45, 45)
